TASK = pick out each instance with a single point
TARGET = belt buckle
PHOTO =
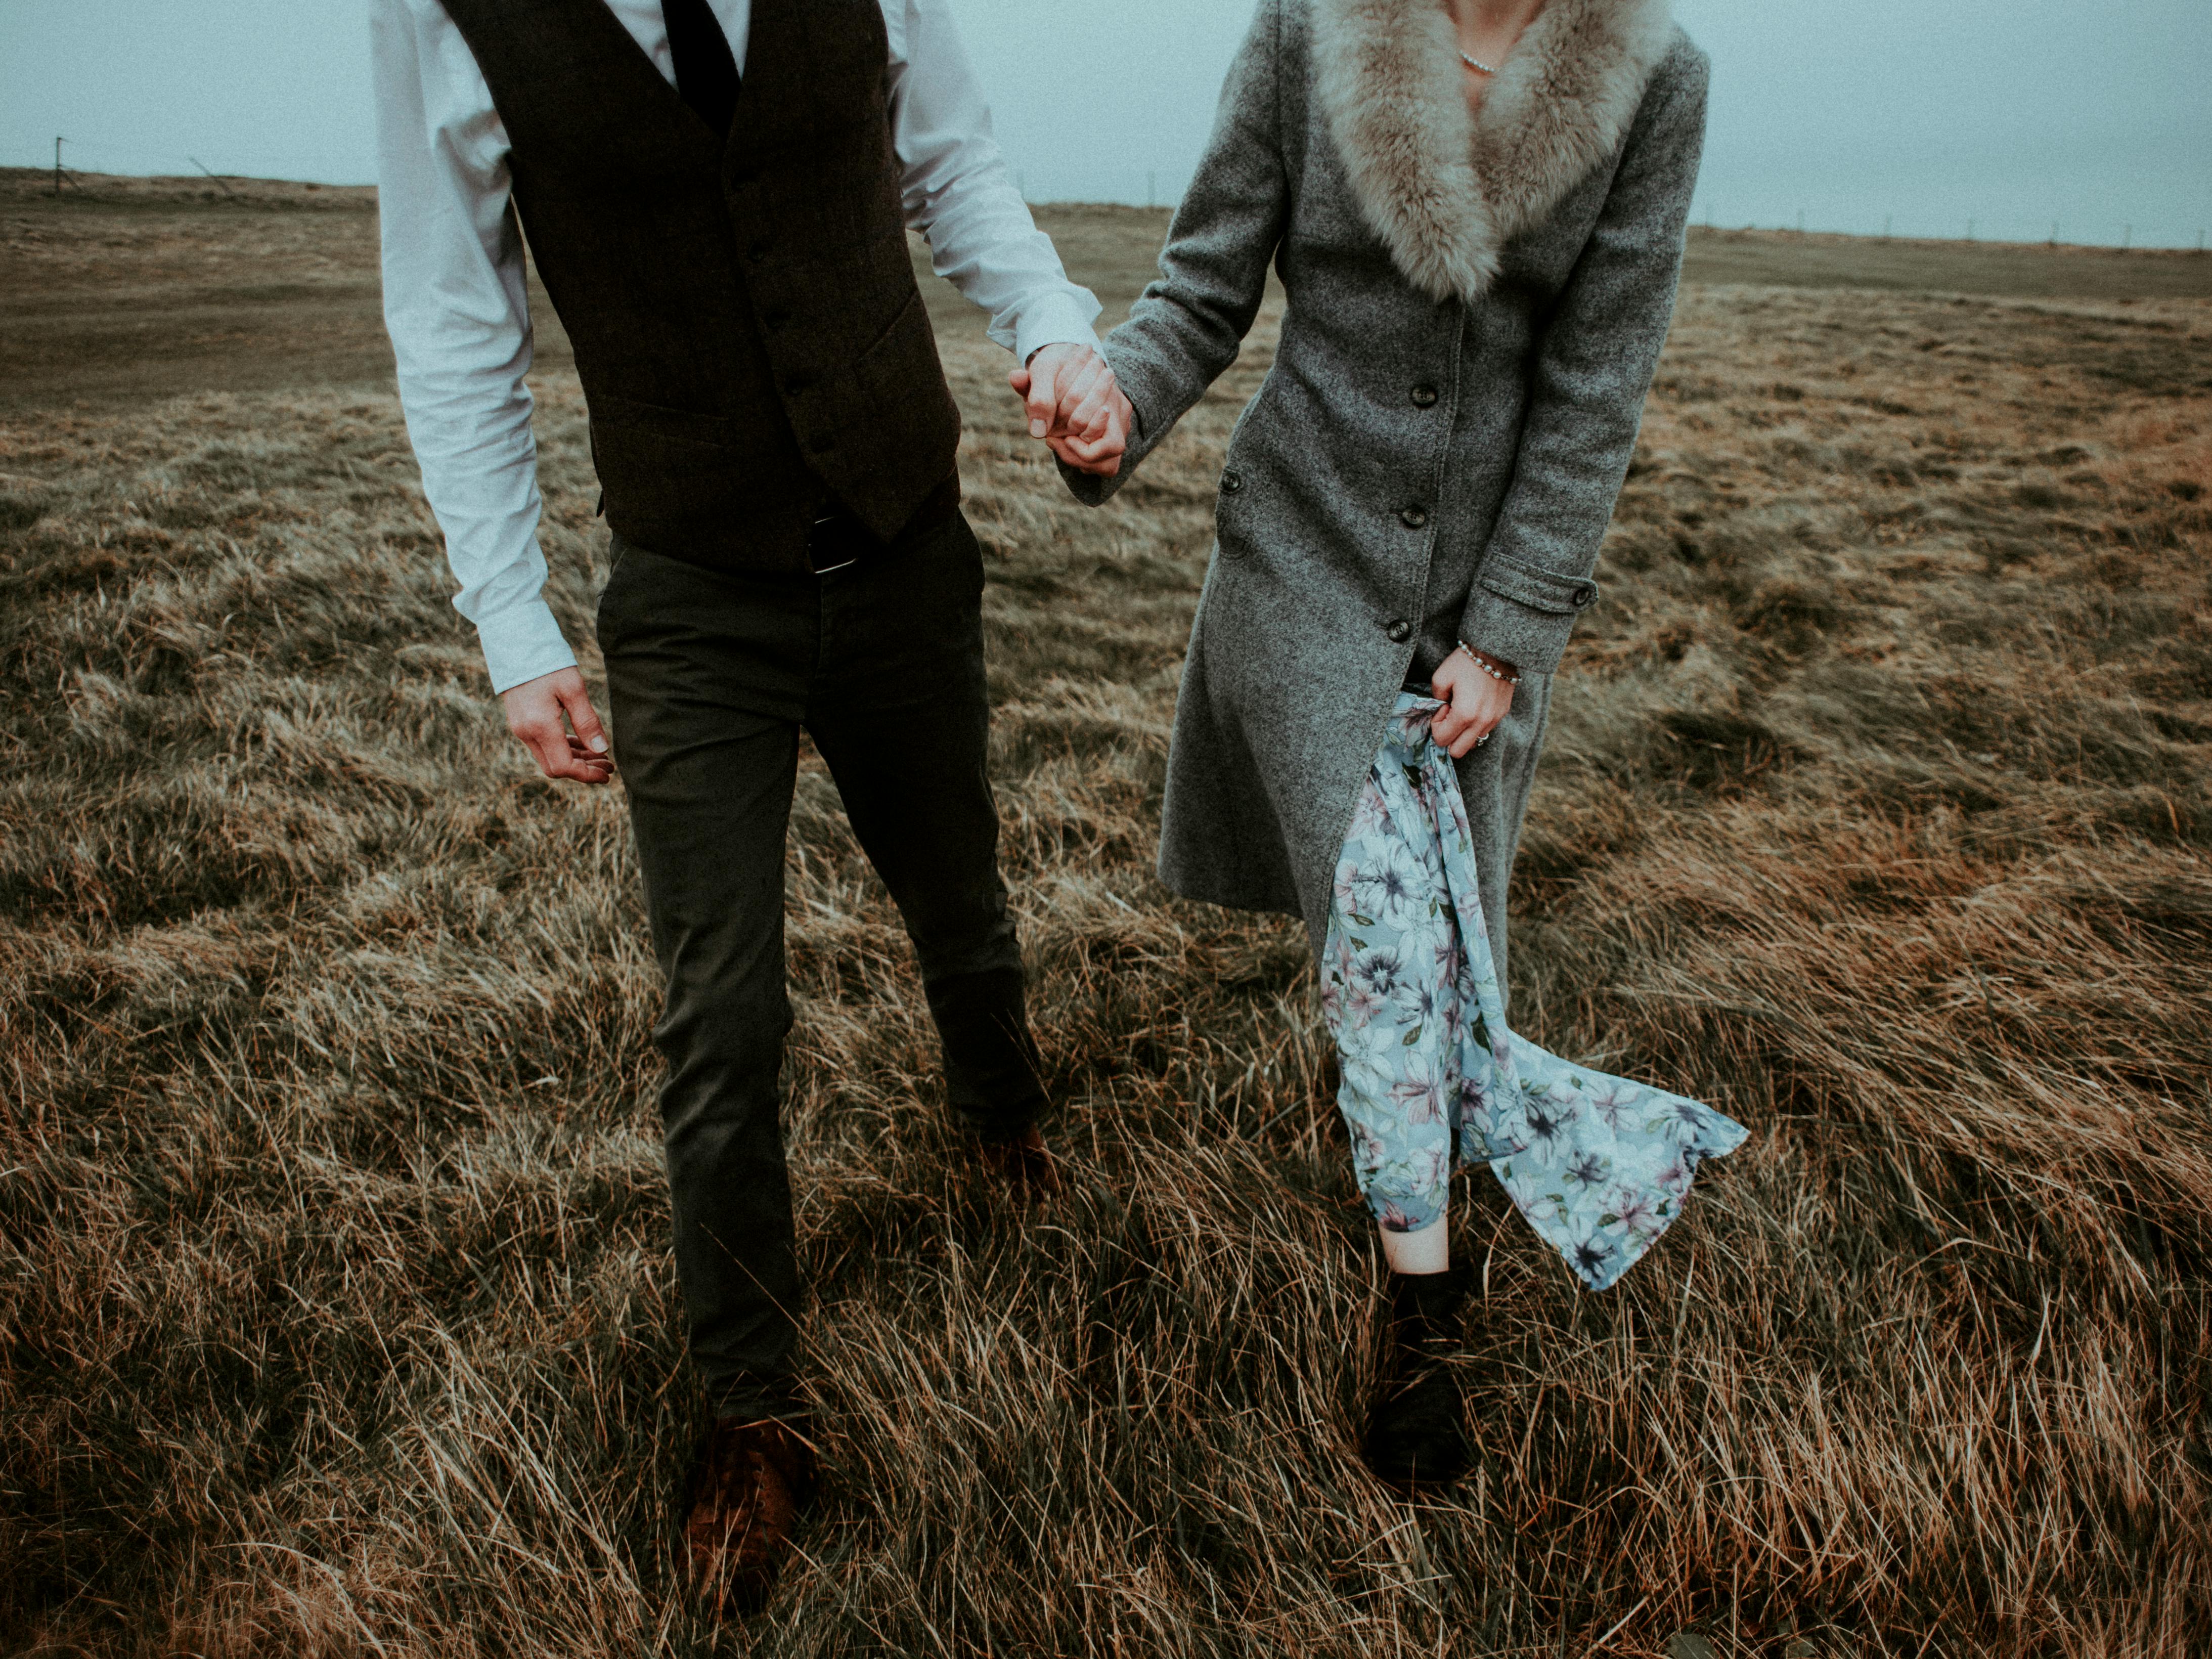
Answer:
(824, 569)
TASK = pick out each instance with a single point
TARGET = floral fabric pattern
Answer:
(1432, 1077)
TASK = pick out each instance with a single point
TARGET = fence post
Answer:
(203, 167)
(57, 169)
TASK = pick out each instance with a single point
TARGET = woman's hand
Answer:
(1075, 406)
(1476, 701)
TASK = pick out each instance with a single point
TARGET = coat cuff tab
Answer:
(1524, 614)
(1539, 589)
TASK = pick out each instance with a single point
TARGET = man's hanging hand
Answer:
(577, 749)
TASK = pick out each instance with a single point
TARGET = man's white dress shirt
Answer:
(455, 302)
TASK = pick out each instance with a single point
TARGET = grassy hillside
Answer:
(335, 1313)
(122, 289)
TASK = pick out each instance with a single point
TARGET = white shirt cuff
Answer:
(1055, 319)
(522, 643)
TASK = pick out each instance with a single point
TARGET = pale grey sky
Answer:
(2013, 114)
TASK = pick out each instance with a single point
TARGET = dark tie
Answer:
(706, 73)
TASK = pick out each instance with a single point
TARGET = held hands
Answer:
(1477, 701)
(534, 709)
(1075, 406)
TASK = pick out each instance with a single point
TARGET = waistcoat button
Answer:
(1413, 517)
(823, 443)
(1424, 396)
(1400, 631)
(759, 249)
(1231, 481)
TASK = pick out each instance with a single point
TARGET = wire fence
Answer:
(359, 167)
(2167, 232)
(1941, 225)
(136, 161)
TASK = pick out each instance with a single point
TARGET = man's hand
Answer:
(1476, 702)
(533, 714)
(1076, 407)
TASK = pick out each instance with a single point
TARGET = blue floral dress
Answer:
(1432, 1077)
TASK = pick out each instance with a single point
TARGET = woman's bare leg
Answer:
(1428, 1251)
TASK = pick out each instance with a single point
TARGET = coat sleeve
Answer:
(1189, 325)
(1594, 365)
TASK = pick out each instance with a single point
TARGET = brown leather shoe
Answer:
(748, 1483)
(1025, 1164)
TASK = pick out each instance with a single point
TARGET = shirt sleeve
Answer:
(961, 196)
(458, 310)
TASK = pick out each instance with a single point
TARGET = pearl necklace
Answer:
(1476, 63)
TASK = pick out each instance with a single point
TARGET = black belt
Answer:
(837, 540)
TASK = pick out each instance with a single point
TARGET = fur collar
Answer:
(1446, 190)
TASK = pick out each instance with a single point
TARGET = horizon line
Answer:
(1706, 225)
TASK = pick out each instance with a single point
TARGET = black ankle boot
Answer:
(1417, 1425)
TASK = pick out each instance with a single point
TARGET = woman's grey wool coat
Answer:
(1476, 307)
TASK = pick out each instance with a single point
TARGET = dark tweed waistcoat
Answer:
(744, 315)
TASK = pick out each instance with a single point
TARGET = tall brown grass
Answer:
(336, 1315)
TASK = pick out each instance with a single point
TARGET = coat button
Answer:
(1413, 517)
(823, 443)
(759, 249)
(773, 321)
(1400, 631)
(1231, 481)
(1424, 396)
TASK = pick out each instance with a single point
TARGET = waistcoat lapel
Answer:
(1446, 191)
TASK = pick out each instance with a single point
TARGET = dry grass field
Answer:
(335, 1313)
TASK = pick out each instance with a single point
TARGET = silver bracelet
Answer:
(1483, 663)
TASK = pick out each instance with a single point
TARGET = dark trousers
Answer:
(711, 676)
